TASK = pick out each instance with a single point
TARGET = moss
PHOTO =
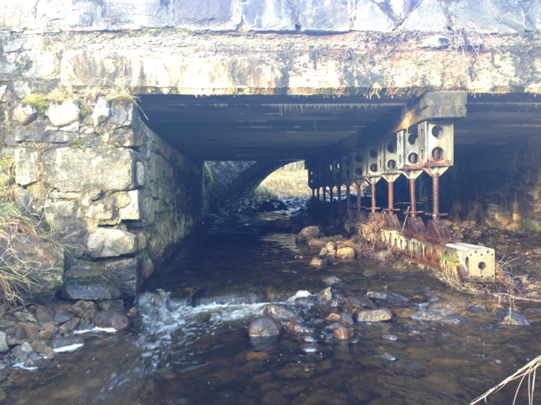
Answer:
(36, 100)
(84, 112)
(123, 98)
(77, 143)
(207, 174)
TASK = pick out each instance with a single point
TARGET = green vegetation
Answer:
(36, 100)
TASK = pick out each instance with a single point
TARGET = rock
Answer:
(130, 272)
(389, 337)
(388, 356)
(102, 112)
(297, 370)
(383, 256)
(3, 343)
(325, 295)
(345, 253)
(323, 252)
(28, 363)
(113, 305)
(60, 319)
(515, 319)
(26, 166)
(373, 295)
(101, 169)
(25, 316)
(317, 243)
(25, 114)
(333, 316)
(28, 331)
(355, 304)
(66, 341)
(62, 114)
(123, 114)
(332, 280)
(274, 398)
(48, 353)
(22, 352)
(47, 332)
(109, 242)
(43, 316)
(375, 315)
(295, 327)
(263, 327)
(330, 247)
(346, 320)
(70, 326)
(258, 356)
(84, 309)
(342, 332)
(318, 261)
(91, 282)
(307, 234)
(112, 319)
(476, 234)
(38, 346)
(280, 312)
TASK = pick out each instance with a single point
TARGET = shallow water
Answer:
(177, 353)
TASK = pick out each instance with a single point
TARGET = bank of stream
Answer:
(189, 343)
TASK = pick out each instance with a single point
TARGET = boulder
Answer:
(263, 327)
(90, 282)
(307, 234)
(110, 242)
(317, 243)
(25, 114)
(129, 271)
(280, 312)
(112, 319)
(62, 114)
(375, 315)
(318, 261)
(345, 253)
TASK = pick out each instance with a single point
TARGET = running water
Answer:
(189, 343)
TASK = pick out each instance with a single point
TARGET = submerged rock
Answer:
(373, 295)
(280, 312)
(515, 319)
(341, 332)
(318, 261)
(376, 315)
(345, 253)
(112, 319)
(263, 327)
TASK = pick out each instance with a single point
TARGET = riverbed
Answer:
(189, 343)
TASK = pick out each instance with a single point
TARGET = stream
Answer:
(189, 343)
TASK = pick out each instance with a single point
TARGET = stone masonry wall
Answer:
(112, 190)
(499, 187)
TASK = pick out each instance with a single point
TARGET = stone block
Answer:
(129, 271)
(91, 282)
(25, 114)
(100, 211)
(369, 17)
(26, 163)
(102, 112)
(3, 343)
(127, 137)
(109, 242)
(487, 16)
(143, 13)
(269, 15)
(206, 14)
(132, 209)
(69, 169)
(62, 114)
(24, 199)
(326, 15)
(140, 173)
(123, 114)
(41, 131)
(428, 17)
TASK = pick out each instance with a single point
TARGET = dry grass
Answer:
(15, 274)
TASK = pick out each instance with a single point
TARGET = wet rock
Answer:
(332, 280)
(297, 370)
(91, 282)
(345, 253)
(280, 312)
(84, 309)
(61, 318)
(331, 248)
(113, 305)
(323, 252)
(48, 353)
(28, 363)
(317, 243)
(22, 352)
(388, 356)
(3, 343)
(70, 326)
(342, 332)
(66, 341)
(263, 327)
(373, 295)
(28, 331)
(295, 327)
(307, 234)
(429, 316)
(318, 261)
(38, 346)
(129, 271)
(43, 316)
(515, 319)
(325, 295)
(25, 114)
(346, 320)
(25, 316)
(112, 319)
(389, 337)
(333, 316)
(47, 332)
(258, 356)
(376, 315)
(356, 304)
(274, 398)
(62, 114)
